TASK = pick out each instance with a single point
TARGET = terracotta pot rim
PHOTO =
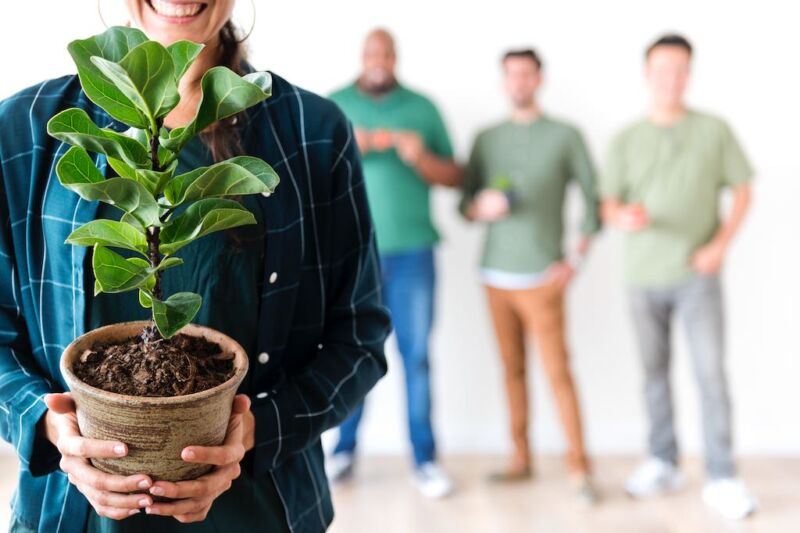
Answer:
(240, 363)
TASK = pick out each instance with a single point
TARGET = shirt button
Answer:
(261, 395)
(263, 358)
(266, 194)
(273, 277)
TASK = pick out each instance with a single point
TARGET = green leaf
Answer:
(146, 76)
(76, 171)
(127, 218)
(113, 45)
(179, 309)
(224, 93)
(73, 126)
(113, 273)
(155, 181)
(122, 168)
(183, 55)
(237, 176)
(77, 167)
(202, 218)
(109, 233)
(145, 300)
(169, 262)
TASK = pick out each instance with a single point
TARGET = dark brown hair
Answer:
(528, 53)
(224, 140)
(670, 39)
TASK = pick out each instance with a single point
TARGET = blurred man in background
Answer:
(406, 151)
(516, 182)
(662, 186)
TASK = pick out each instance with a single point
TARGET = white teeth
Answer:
(170, 9)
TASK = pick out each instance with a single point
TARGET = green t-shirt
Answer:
(398, 196)
(226, 269)
(677, 174)
(535, 162)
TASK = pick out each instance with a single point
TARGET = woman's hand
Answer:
(194, 498)
(108, 494)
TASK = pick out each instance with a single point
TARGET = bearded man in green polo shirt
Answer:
(662, 186)
(516, 182)
(405, 151)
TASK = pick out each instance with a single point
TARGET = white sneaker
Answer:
(653, 478)
(339, 467)
(730, 498)
(432, 481)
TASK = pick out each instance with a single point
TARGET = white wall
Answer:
(746, 69)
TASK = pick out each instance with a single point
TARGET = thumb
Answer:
(241, 404)
(61, 403)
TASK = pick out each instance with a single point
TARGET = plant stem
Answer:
(155, 258)
(153, 240)
(154, 153)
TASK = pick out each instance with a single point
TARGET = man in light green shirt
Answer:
(662, 184)
(516, 182)
(405, 150)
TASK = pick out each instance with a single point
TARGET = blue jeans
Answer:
(408, 292)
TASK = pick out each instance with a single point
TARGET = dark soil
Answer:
(174, 367)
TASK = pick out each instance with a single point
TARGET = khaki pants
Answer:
(537, 313)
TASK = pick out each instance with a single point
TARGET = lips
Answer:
(176, 10)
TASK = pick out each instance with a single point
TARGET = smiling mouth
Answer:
(176, 10)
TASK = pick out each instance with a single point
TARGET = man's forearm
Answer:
(439, 171)
(742, 196)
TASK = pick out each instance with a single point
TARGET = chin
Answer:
(168, 21)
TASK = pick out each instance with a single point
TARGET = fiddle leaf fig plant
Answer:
(135, 81)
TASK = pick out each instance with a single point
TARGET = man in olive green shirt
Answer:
(405, 150)
(662, 185)
(516, 181)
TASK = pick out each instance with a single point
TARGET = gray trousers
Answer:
(697, 303)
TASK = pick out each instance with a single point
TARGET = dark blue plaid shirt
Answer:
(321, 323)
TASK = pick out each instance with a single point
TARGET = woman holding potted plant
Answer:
(298, 290)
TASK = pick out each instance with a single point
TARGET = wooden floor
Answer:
(381, 499)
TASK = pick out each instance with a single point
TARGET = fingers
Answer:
(241, 404)
(189, 518)
(77, 446)
(82, 473)
(192, 497)
(114, 514)
(116, 500)
(232, 451)
(215, 455)
(209, 485)
(108, 494)
(60, 403)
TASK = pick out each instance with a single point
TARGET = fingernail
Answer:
(144, 502)
(144, 484)
(119, 449)
(133, 512)
(189, 454)
(158, 491)
(151, 510)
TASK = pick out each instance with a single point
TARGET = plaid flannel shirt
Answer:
(321, 322)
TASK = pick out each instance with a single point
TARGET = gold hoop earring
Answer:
(103, 18)
(100, 12)
(252, 26)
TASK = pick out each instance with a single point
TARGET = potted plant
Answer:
(163, 384)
